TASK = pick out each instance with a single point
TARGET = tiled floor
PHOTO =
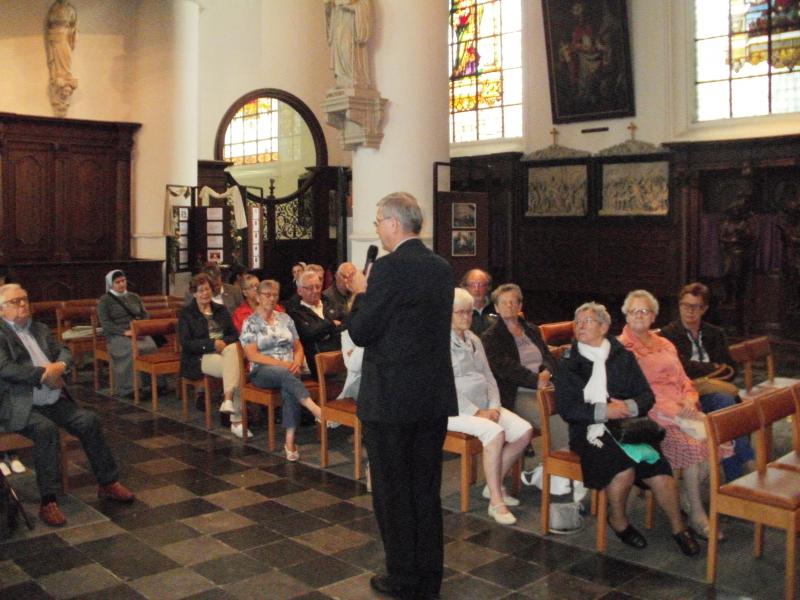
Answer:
(215, 519)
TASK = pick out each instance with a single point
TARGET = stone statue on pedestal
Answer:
(62, 22)
(353, 105)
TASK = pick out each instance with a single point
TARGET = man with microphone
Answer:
(407, 392)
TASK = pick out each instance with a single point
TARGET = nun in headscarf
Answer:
(115, 311)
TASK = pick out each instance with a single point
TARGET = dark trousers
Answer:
(405, 462)
(42, 430)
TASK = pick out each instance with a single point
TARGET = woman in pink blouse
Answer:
(676, 408)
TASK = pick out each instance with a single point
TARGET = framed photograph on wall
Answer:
(464, 215)
(558, 190)
(183, 213)
(463, 243)
(588, 59)
(634, 188)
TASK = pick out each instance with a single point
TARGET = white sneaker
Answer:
(17, 466)
(4, 469)
(226, 407)
(507, 500)
(236, 429)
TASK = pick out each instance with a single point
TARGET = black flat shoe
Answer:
(382, 585)
(686, 542)
(631, 536)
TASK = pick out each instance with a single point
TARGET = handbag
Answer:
(636, 430)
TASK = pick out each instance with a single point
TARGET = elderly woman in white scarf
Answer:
(597, 383)
(115, 311)
(504, 435)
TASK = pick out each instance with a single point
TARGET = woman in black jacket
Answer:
(208, 347)
(519, 359)
(597, 382)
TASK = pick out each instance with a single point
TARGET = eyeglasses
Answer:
(313, 288)
(462, 313)
(380, 220)
(640, 312)
(691, 307)
(585, 321)
(477, 284)
(17, 301)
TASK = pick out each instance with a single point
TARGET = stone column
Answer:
(165, 101)
(409, 48)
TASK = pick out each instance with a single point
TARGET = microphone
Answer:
(372, 254)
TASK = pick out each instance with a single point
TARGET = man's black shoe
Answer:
(381, 584)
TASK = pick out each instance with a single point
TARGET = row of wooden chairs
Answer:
(768, 496)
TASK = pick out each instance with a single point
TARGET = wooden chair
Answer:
(773, 407)
(166, 361)
(100, 354)
(46, 313)
(82, 302)
(468, 447)
(154, 298)
(271, 398)
(765, 497)
(556, 334)
(740, 354)
(11, 442)
(341, 410)
(565, 463)
(759, 349)
(80, 342)
(161, 312)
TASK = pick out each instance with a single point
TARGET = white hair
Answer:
(645, 295)
(462, 299)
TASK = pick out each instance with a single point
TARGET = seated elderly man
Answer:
(479, 283)
(35, 404)
(230, 296)
(338, 295)
(315, 319)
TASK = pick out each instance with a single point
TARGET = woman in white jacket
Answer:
(504, 435)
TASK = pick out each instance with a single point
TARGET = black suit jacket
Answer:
(713, 341)
(18, 375)
(316, 335)
(403, 322)
(193, 333)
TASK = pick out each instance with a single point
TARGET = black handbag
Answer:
(636, 430)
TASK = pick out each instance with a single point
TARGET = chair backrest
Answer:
(162, 313)
(776, 406)
(95, 327)
(741, 354)
(759, 349)
(46, 311)
(68, 316)
(166, 327)
(547, 407)
(728, 424)
(155, 298)
(328, 364)
(82, 302)
(556, 334)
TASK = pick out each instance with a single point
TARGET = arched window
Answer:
(747, 58)
(252, 134)
(485, 70)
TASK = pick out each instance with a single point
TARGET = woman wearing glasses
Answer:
(598, 382)
(503, 434)
(676, 406)
(272, 346)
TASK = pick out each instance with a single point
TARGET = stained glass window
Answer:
(252, 135)
(485, 70)
(747, 54)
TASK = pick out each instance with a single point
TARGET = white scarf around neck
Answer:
(596, 389)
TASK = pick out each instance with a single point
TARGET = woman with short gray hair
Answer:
(503, 434)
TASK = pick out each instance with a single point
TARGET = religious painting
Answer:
(632, 189)
(588, 59)
(464, 215)
(558, 191)
(464, 243)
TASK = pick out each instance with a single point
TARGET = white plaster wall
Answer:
(252, 44)
(100, 60)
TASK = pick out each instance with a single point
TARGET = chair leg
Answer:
(96, 367)
(357, 449)
(244, 417)
(602, 520)
(758, 539)
(516, 471)
(545, 517)
(323, 441)
(791, 551)
(466, 472)
(154, 391)
(650, 503)
(135, 386)
(713, 542)
(270, 427)
(209, 418)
